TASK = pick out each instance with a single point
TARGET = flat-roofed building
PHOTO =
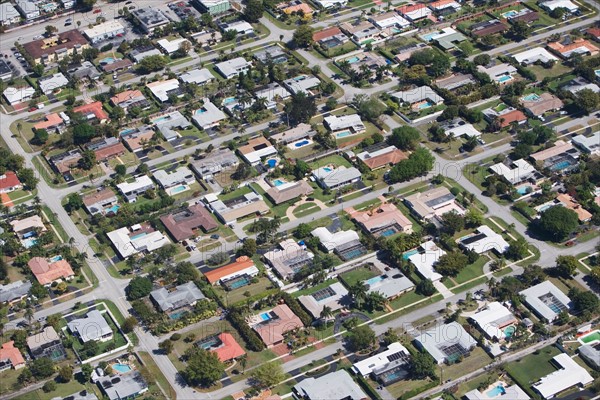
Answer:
(186, 295)
(232, 68)
(512, 392)
(231, 210)
(531, 56)
(493, 319)
(588, 144)
(242, 267)
(334, 296)
(389, 286)
(516, 172)
(150, 18)
(289, 258)
(214, 162)
(93, 327)
(302, 83)
(171, 46)
(330, 177)
(428, 253)
(139, 238)
(56, 47)
(344, 243)
(163, 90)
(389, 19)
(459, 128)
(352, 123)
(414, 12)
(186, 222)
(483, 240)
(433, 203)
(104, 31)
(197, 76)
(214, 7)
(389, 366)
(446, 343)
(208, 116)
(177, 177)
(552, 5)
(131, 190)
(568, 375)
(8, 14)
(123, 386)
(500, 73)
(546, 300)
(335, 385)
(256, 150)
(591, 354)
(273, 93)
(240, 27)
(168, 124)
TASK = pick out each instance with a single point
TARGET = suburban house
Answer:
(163, 90)
(256, 150)
(389, 286)
(303, 83)
(344, 243)
(243, 267)
(92, 111)
(330, 37)
(10, 357)
(171, 46)
(334, 296)
(500, 73)
(389, 366)
(446, 38)
(403, 53)
(47, 343)
(8, 14)
(223, 345)
(130, 98)
(327, 4)
(139, 238)
(376, 157)
(137, 139)
(505, 114)
(414, 12)
(241, 27)
(362, 33)
(455, 81)
(516, 172)
(388, 20)
(52, 83)
(186, 222)
(167, 125)
(55, 48)
(569, 374)
(289, 258)
(568, 201)
(346, 123)
(117, 65)
(104, 31)
(84, 70)
(131, 190)
(433, 203)
(568, 47)
(47, 271)
(486, 28)
(384, 220)
(588, 144)
(232, 68)
(552, 5)
(175, 179)
(9, 182)
(299, 132)
(150, 18)
(138, 54)
(123, 386)
(538, 105)
(493, 321)
(197, 76)
(214, 162)
(525, 14)
(424, 259)
(289, 191)
(214, 7)
(273, 93)
(560, 157)
(14, 95)
(536, 54)
(52, 122)
(231, 210)
(546, 300)
(418, 98)
(591, 354)
(271, 54)
(459, 128)
(446, 343)
(92, 327)
(208, 116)
(271, 325)
(24, 228)
(333, 177)
(14, 292)
(512, 392)
(445, 7)
(594, 32)
(106, 148)
(483, 240)
(335, 385)
(186, 295)
(578, 84)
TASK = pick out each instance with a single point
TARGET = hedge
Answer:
(297, 309)
(253, 341)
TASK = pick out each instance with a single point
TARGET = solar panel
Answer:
(442, 199)
(323, 294)
(453, 351)
(398, 356)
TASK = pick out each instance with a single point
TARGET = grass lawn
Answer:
(237, 295)
(358, 275)
(236, 193)
(334, 159)
(313, 289)
(471, 271)
(531, 368)
(157, 374)
(305, 209)
(557, 70)
(368, 204)
(62, 390)
(64, 238)
(477, 359)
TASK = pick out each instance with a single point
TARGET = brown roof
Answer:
(272, 331)
(527, 17)
(125, 96)
(287, 192)
(230, 349)
(97, 197)
(595, 32)
(576, 44)
(135, 141)
(50, 121)
(242, 263)
(65, 40)
(410, 8)
(117, 65)
(254, 144)
(46, 272)
(546, 102)
(326, 33)
(513, 116)
(110, 151)
(384, 215)
(390, 158)
(92, 108)
(491, 29)
(182, 224)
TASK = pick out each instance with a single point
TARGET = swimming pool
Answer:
(160, 119)
(561, 165)
(327, 169)
(545, 207)
(265, 316)
(590, 337)
(209, 343)
(509, 331)
(179, 189)
(177, 315)
(27, 243)
(509, 14)
(597, 72)
(425, 105)
(107, 60)
(504, 78)
(430, 36)
(272, 163)
(55, 259)
(495, 392)
(200, 111)
(349, 255)
(523, 190)
(139, 235)
(301, 143)
(531, 97)
(343, 134)
(279, 182)
(299, 78)
(238, 282)
(229, 100)
(374, 280)
(121, 368)
(127, 131)
(112, 209)
(409, 253)
(352, 60)
(388, 232)
(29, 235)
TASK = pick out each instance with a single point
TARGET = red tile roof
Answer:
(390, 158)
(92, 108)
(595, 32)
(47, 273)
(8, 351)
(272, 332)
(110, 151)
(230, 348)
(240, 264)
(513, 116)
(51, 121)
(410, 8)
(9, 180)
(326, 33)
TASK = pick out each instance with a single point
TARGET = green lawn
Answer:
(471, 271)
(236, 193)
(305, 209)
(334, 159)
(531, 368)
(239, 295)
(358, 275)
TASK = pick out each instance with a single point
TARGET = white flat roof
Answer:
(103, 28)
(332, 240)
(536, 54)
(171, 46)
(197, 76)
(208, 115)
(368, 365)
(488, 240)
(570, 374)
(140, 182)
(546, 300)
(424, 262)
(463, 130)
(160, 88)
(494, 317)
(554, 4)
(519, 171)
(127, 246)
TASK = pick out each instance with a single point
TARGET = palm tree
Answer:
(358, 292)
(498, 264)
(326, 313)
(375, 300)
(243, 361)
(29, 314)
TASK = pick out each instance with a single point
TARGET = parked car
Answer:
(215, 236)
(97, 10)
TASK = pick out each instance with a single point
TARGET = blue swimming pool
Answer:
(177, 315)
(29, 235)
(504, 78)
(597, 72)
(545, 207)
(343, 134)
(139, 235)
(179, 189)
(429, 37)
(55, 259)
(229, 100)
(301, 143)
(299, 78)
(352, 60)
(200, 111)
(327, 169)
(27, 243)
(531, 97)
(388, 232)
(509, 331)
(509, 14)
(107, 60)
(409, 253)
(425, 105)
(265, 316)
(237, 283)
(523, 190)
(113, 209)
(495, 392)
(561, 165)
(121, 368)
(127, 131)
(272, 163)
(279, 182)
(374, 280)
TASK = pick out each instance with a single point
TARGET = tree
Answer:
(117, 113)
(422, 366)
(466, 48)
(453, 222)
(585, 303)
(331, 103)
(166, 346)
(405, 138)
(27, 177)
(300, 108)
(90, 349)
(369, 107)
(450, 264)
(203, 368)
(129, 324)
(74, 202)
(41, 368)
(248, 248)
(303, 36)
(390, 336)
(49, 386)
(86, 372)
(87, 160)
(519, 30)
(217, 258)
(426, 287)
(83, 133)
(517, 249)
(358, 292)
(139, 286)
(302, 231)
(326, 313)
(267, 375)
(301, 169)
(361, 338)
(474, 217)
(418, 164)
(587, 100)
(65, 373)
(567, 266)
(558, 222)
(254, 11)
(151, 64)
(121, 170)
(563, 318)
(533, 274)
(482, 59)
(50, 29)
(40, 137)
(242, 172)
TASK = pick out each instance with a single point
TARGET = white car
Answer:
(38, 37)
